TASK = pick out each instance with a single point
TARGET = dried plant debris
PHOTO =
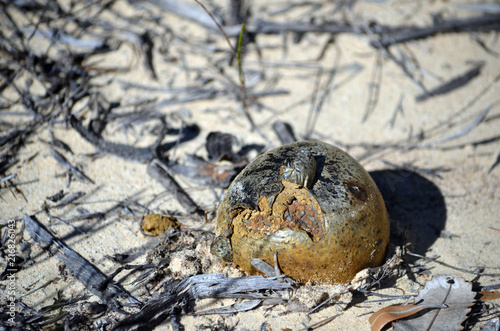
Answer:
(285, 133)
(219, 147)
(489, 295)
(388, 35)
(206, 173)
(234, 308)
(223, 164)
(71, 169)
(90, 276)
(160, 171)
(181, 294)
(443, 304)
(184, 253)
(313, 297)
(493, 325)
(451, 85)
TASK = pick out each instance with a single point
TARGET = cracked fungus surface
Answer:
(325, 225)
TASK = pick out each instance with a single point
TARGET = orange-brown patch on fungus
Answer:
(294, 208)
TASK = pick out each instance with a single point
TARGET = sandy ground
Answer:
(460, 198)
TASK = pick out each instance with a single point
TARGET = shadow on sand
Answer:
(415, 205)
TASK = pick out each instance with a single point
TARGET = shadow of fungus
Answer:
(415, 205)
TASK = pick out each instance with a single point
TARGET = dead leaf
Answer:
(220, 147)
(493, 325)
(154, 224)
(489, 295)
(388, 314)
(234, 308)
(447, 290)
(206, 173)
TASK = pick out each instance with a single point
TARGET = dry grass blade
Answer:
(69, 199)
(89, 275)
(284, 131)
(376, 81)
(159, 172)
(451, 85)
(235, 308)
(65, 163)
(480, 23)
(479, 118)
(242, 96)
(495, 163)
(138, 154)
(217, 24)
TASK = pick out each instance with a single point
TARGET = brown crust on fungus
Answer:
(325, 233)
(294, 208)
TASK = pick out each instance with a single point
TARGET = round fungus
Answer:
(313, 205)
